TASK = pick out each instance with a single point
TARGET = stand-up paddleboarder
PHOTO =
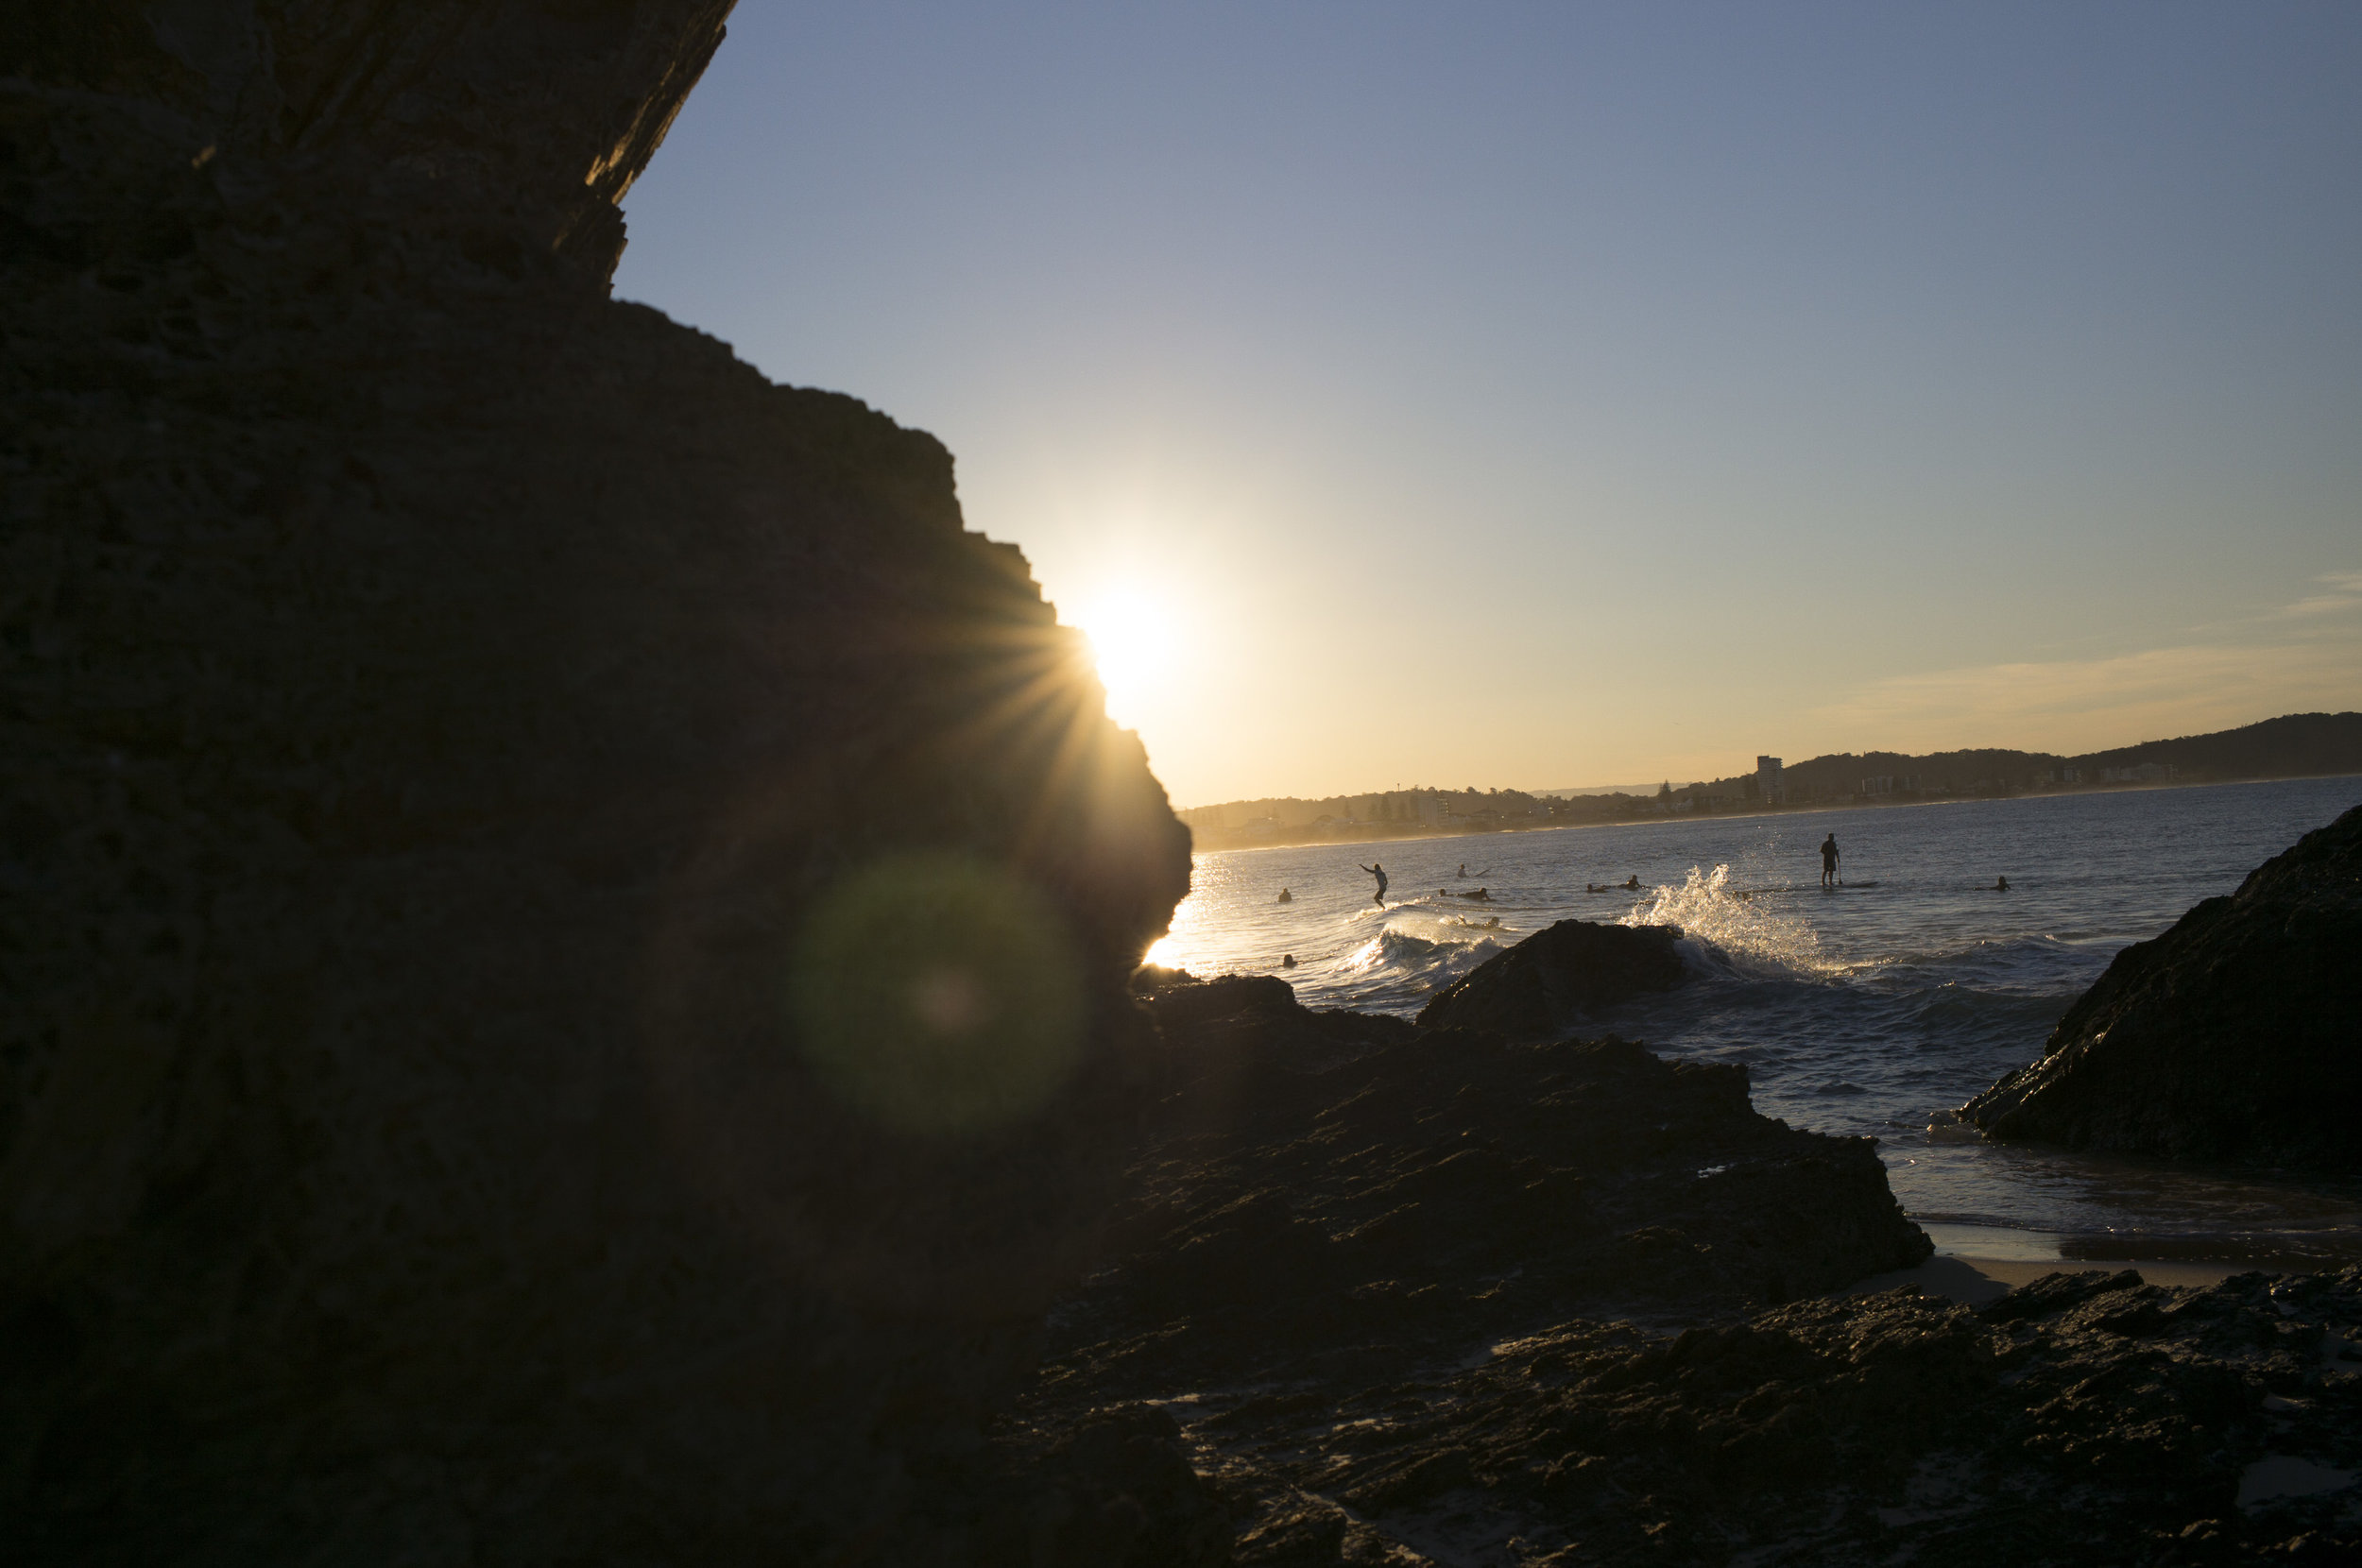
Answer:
(1828, 862)
(1377, 871)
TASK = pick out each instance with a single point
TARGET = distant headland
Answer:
(2295, 745)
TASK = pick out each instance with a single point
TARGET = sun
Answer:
(1134, 644)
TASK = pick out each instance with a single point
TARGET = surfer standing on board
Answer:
(1828, 862)
(1377, 871)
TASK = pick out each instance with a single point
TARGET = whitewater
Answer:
(1870, 1009)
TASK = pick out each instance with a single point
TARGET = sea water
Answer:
(1871, 1009)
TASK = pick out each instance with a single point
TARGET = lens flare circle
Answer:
(938, 993)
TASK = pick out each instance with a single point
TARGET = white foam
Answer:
(1751, 941)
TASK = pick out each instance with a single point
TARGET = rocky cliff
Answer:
(2233, 1036)
(565, 923)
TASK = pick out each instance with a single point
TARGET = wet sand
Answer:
(1974, 1280)
(1976, 1263)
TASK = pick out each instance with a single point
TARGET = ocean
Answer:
(1872, 1010)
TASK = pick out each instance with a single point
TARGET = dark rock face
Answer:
(1339, 1197)
(1413, 1297)
(497, 133)
(1329, 1204)
(1179, 999)
(1555, 977)
(2235, 1035)
(2086, 1420)
(461, 742)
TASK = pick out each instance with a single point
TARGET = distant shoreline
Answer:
(1812, 808)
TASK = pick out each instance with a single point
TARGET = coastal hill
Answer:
(2297, 745)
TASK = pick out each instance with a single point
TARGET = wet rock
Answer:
(1110, 1486)
(1557, 977)
(1179, 999)
(1871, 1430)
(2229, 1037)
(1336, 1197)
(1418, 1295)
(506, 813)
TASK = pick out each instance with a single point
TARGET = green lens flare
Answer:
(938, 993)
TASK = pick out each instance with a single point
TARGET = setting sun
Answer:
(1134, 645)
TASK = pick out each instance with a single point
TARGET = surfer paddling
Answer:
(1377, 871)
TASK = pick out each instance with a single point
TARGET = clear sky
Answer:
(1559, 394)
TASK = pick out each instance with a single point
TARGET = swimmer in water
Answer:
(1285, 897)
(1286, 961)
(1377, 871)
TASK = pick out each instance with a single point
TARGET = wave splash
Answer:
(1751, 941)
(1397, 964)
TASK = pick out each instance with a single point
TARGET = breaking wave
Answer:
(1733, 933)
(1395, 968)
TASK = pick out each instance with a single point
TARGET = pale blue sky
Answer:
(1545, 395)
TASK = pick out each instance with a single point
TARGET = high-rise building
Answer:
(1768, 780)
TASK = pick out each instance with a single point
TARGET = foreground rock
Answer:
(2082, 1419)
(490, 782)
(1389, 1295)
(1332, 1203)
(1558, 977)
(2233, 1036)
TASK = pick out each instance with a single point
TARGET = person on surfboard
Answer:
(1377, 871)
(1828, 862)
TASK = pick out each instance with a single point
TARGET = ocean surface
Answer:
(1872, 1010)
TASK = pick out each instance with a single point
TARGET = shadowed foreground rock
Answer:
(561, 971)
(2089, 1420)
(1553, 978)
(1406, 1296)
(2235, 1035)
(1330, 1202)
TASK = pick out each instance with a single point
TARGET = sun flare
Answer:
(1134, 645)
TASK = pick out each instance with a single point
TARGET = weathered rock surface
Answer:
(2082, 1419)
(2235, 1035)
(442, 715)
(1557, 977)
(1425, 1296)
(1338, 1196)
